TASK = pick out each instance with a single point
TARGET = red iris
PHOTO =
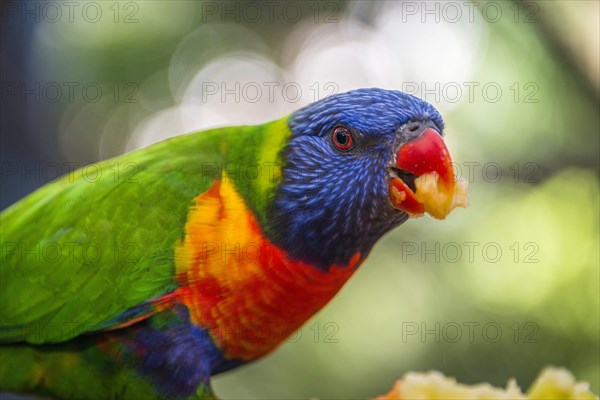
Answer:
(341, 137)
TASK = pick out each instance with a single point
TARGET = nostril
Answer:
(414, 126)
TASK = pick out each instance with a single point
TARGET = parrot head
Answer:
(350, 171)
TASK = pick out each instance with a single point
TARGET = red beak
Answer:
(437, 193)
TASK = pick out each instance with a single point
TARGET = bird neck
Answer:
(240, 286)
(252, 161)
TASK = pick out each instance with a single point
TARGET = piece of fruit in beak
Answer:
(426, 160)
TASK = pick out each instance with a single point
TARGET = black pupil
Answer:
(341, 136)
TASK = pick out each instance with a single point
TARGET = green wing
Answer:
(81, 251)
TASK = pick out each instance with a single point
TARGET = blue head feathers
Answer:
(333, 201)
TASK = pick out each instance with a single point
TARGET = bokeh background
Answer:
(496, 291)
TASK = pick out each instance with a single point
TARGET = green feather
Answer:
(80, 251)
(74, 371)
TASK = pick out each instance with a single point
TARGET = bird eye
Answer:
(342, 138)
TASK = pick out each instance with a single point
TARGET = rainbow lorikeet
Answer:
(203, 252)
